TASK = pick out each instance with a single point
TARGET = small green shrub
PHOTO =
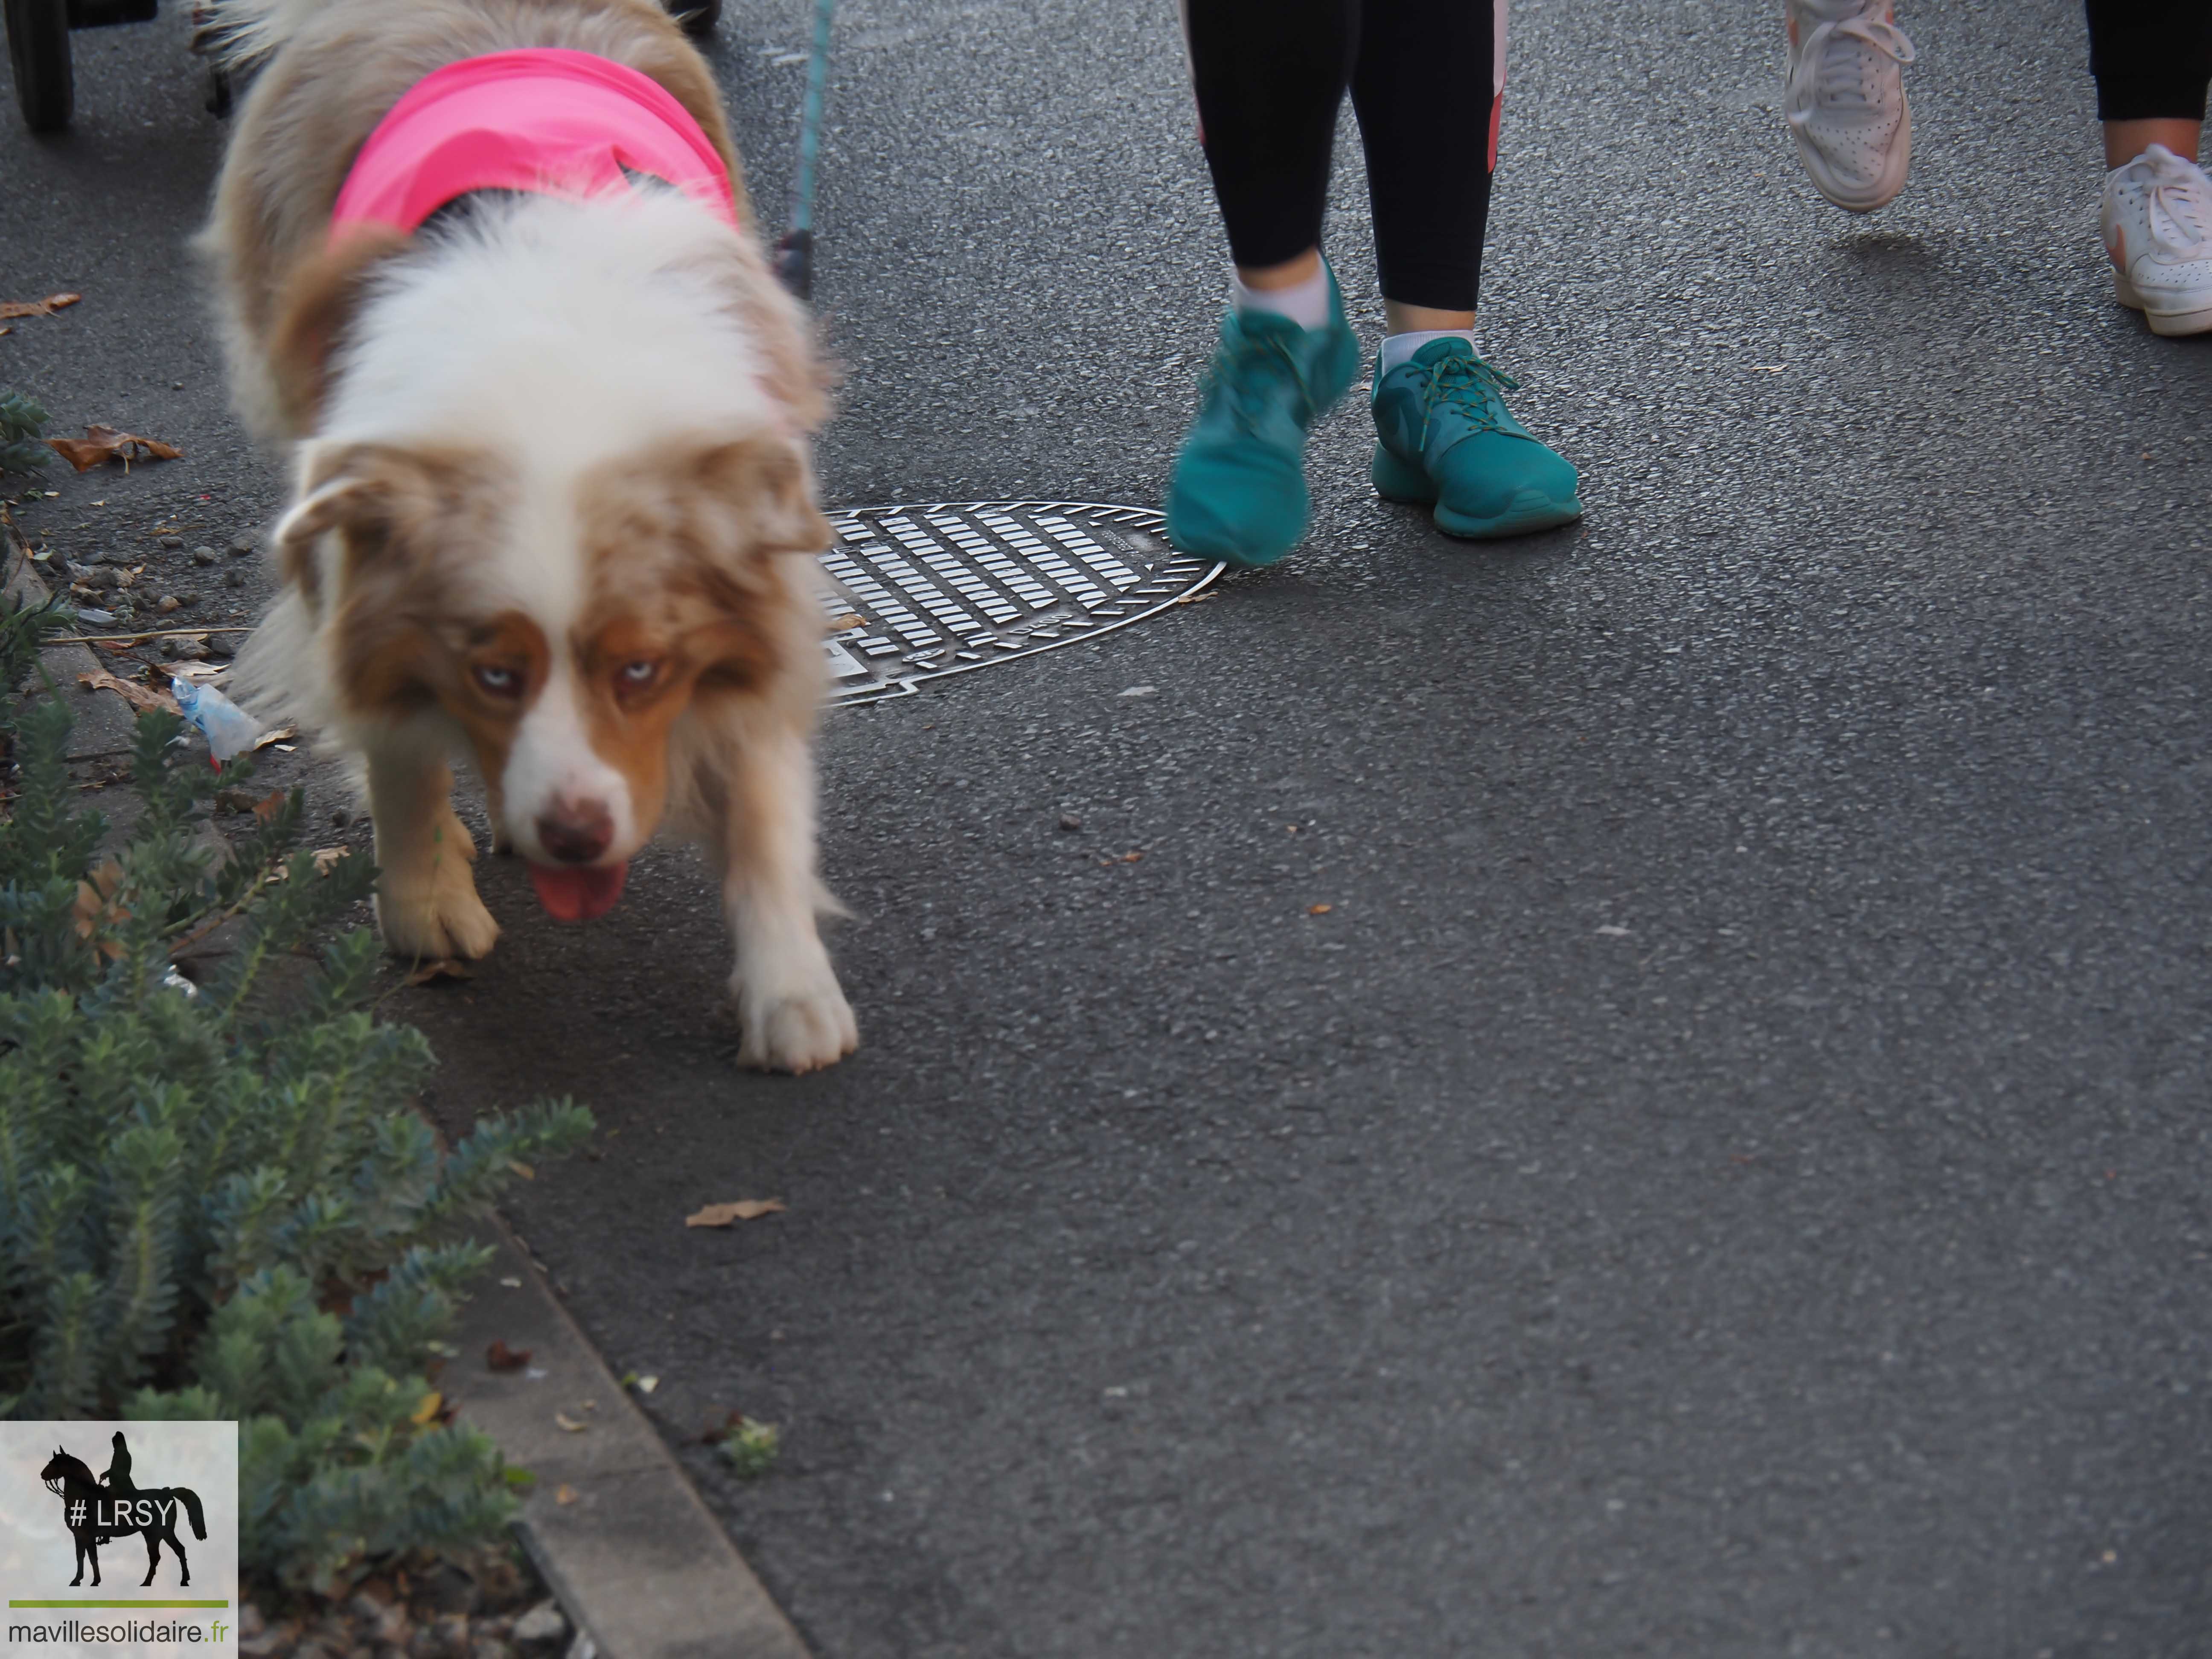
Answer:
(22, 451)
(215, 1200)
(750, 1448)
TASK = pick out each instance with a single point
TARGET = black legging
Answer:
(1270, 75)
(2151, 59)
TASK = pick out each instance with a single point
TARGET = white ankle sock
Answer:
(1400, 348)
(1306, 304)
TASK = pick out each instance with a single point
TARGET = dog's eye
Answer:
(634, 674)
(500, 682)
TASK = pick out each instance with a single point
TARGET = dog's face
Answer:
(564, 626)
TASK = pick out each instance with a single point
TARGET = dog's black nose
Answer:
(578, 833)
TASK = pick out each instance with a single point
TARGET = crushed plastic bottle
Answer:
(229, 730)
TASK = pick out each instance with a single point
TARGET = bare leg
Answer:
(426, 900)
(1269, 278)
(2125, 140)
(1398, 319)
(1423, 319)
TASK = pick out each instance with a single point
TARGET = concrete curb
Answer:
(105, 723)
(634, 1557)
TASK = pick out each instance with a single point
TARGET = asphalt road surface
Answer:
(1725, 1175)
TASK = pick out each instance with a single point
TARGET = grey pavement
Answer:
(1726, 1176)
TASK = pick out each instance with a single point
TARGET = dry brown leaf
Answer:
(501, 1358)
(327, 857)
(104, 443)
(522, 1169)
(564, 1495)
(569, 1423)
(87, 910)
(441, 968)
(422, 1414)
(45, 307)
(278, 736)
(97, 914)
(1319, 909)
(269, 806)
(141, 697)
(850, 619)
(745, 1209)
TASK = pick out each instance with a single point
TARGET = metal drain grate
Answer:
(946, 588)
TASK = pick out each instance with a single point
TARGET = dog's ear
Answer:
(765, 482)
(374, 495)
(313, 311)
(350, 489)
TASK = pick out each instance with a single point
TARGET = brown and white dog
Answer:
(553, 500)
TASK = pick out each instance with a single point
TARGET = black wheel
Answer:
(39, 52)
(697, 16)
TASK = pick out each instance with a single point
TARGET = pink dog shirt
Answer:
(544, 119)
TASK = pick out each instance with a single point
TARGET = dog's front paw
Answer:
(795, 1027)
(453, 836)
(435, 917)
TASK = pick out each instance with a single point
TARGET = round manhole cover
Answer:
(946, 588)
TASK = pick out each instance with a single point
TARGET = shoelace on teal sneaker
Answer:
(1470, 385)
(1231, 372)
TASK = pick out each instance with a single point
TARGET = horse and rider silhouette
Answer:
(98, 1510)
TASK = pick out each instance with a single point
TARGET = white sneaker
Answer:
(1845, 98)
(2156, 221)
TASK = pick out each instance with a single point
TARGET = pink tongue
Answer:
(570, 894)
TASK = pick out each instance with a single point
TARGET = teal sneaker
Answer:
(1238, 491)
(1443, 434)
